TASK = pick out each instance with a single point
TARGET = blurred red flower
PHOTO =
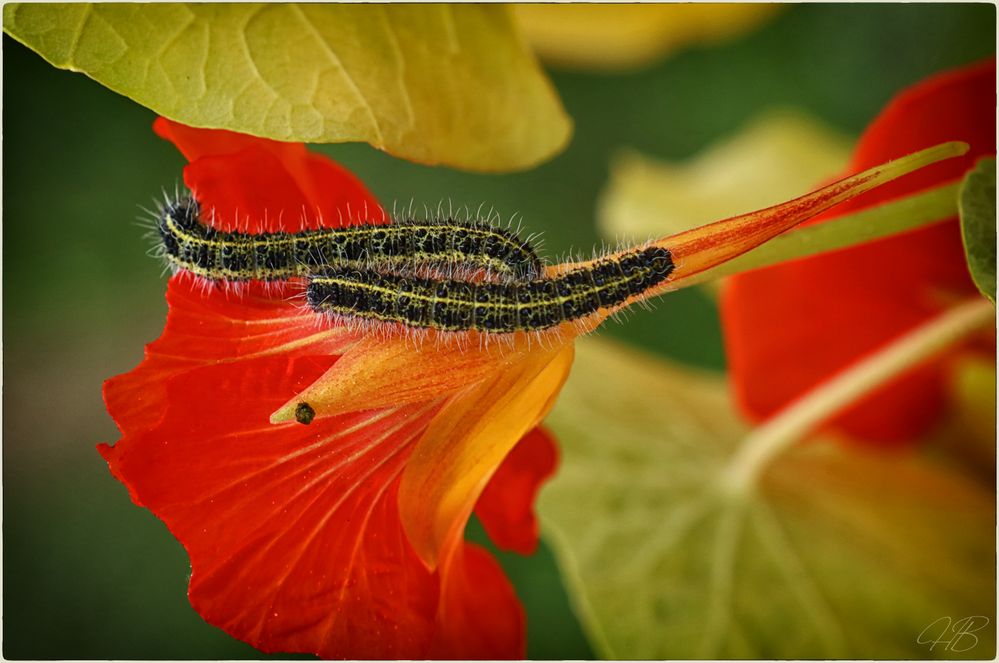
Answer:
(294, 532)
(791, 326)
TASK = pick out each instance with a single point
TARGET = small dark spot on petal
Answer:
(304, 414)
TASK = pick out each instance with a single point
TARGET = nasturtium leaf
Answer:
(439, 84)
(836, 553)
(978, 225)
(778, 156)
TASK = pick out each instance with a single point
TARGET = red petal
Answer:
(205, 329)
(954, 105)
(791, 326)
(229, 484)
(196, 143)
(293, 531)
(263, 185)
(480, 616)
(506, 506)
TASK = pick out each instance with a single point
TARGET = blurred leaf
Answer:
(838, 553)
(776, 157)
(621, 36)
(450, 84)
(973, 431)
(978, 225)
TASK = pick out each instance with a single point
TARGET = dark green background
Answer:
(88, 575)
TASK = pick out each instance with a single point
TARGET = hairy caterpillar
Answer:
(493, 308)
(373, 272)
(469, 245)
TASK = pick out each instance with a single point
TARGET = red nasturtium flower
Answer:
(345, 537)
(822, 313)
(294, 534)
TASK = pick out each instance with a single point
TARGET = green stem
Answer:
(931, 206)
(816, 406)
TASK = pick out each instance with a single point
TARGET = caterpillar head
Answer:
(185, 212)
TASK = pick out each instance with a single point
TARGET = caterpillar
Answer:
(371, 272)
(492, 308)
(469, 245)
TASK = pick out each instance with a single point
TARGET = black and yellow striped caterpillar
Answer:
(470, 245)
(494, 308)
(376, 273)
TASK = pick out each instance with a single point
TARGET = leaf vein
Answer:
(802, 582)
(78, 34)
(351, 83)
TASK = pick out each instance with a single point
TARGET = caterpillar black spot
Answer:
(493, 308)
(443, 244)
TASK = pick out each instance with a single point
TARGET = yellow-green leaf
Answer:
(839, 552)
(438, 84)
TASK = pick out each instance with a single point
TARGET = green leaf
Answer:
(838, 552)
(978, 225)
(448, 84)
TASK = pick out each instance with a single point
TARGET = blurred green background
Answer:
(88, 575)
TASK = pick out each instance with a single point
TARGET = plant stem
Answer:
(816, 406)
(931, 206)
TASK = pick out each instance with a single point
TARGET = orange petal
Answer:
(467, 441)
(382, 372)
